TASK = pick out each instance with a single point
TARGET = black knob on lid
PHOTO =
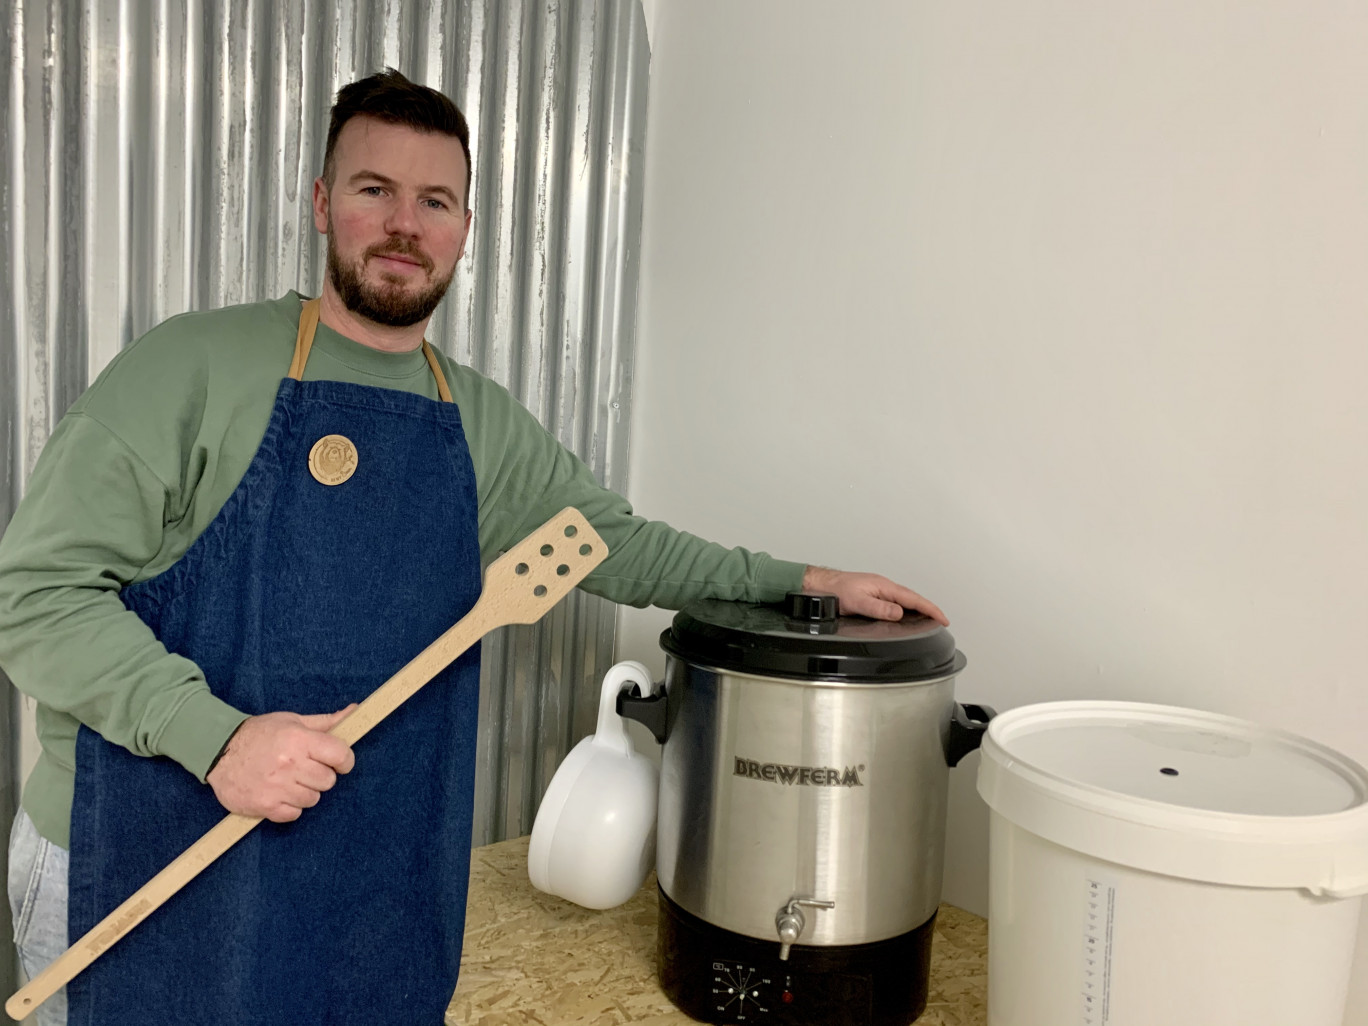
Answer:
(812, 607)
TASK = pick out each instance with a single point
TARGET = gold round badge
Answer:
(332, 459)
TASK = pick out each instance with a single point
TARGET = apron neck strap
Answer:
(443, 392)
(308, 324)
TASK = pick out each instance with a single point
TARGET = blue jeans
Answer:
(38, 901)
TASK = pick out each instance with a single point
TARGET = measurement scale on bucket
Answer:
(1099, 915)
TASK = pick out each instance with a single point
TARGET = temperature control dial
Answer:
(740, 992)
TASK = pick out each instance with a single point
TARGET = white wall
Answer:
(1056, 312)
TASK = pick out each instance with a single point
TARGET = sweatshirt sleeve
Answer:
(91, 520)
(524, 476)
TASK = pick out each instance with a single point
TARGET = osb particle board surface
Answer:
(534, 959)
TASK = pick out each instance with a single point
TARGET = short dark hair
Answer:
(389, 96)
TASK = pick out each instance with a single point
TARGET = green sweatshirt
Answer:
(147, 456)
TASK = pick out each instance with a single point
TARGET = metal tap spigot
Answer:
(790, 922)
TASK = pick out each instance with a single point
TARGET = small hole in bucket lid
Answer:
(1169, 771)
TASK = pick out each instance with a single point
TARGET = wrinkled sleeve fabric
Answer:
(525, 476)
(90, 522)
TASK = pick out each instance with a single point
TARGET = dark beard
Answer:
(391, 306)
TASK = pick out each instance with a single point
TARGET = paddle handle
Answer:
(417, 672)
(144, 901)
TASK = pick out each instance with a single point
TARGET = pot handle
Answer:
(967, 728)
(651, 710)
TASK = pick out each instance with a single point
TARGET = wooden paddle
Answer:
(520, 586)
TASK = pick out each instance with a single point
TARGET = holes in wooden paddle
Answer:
(562, 570)
(586, 549)
(546, 550)
(520, 569)
(539, 590)
(571, 531)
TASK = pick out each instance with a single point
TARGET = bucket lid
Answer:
(805, 638)
(1185, 793)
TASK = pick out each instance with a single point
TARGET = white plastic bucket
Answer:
(1157, 866)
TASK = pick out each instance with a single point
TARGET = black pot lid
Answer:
(804, 638)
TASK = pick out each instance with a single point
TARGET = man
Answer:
(213, 564)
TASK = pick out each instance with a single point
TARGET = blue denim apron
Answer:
(303, 597)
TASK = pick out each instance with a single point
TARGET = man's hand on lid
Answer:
(870, 595)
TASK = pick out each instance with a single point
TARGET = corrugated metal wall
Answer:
(158, 156)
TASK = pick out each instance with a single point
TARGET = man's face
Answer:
(395, 218)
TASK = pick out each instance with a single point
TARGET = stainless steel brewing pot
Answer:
(805, 769)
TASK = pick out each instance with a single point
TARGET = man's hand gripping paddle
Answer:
(520, 586)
